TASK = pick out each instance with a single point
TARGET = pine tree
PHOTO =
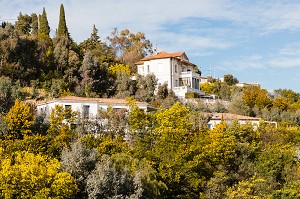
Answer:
(23, 24)
(94, 35)
(89, 71)
(62, 26)
(44, 28)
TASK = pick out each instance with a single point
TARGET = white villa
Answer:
(88, 107)
(173, 69)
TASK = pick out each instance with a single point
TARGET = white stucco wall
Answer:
(213, 123)
(160, 68)
(164, 70)
(78, 106)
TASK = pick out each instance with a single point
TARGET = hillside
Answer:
(166, 153)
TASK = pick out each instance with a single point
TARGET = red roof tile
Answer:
(98, 100)
(161, 55)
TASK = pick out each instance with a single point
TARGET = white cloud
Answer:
(151, 17)
(284, 62)
(177, 42)
(148, 16)
(244, 63)
(224, 33)
(287, 57)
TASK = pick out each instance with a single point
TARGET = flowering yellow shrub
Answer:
(19, 120)
(26, 175)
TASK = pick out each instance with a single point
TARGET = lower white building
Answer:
(217, 118)
(243, 84)
(88, 107)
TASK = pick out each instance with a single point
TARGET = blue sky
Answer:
(256, 41)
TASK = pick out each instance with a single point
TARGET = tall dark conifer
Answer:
(62, 25)
(44, 28)
(45, 44)
(34, 24)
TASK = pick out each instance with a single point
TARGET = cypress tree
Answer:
(44, 28)
(62, 25)
(34, 24)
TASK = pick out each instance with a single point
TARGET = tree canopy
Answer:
(62, 29)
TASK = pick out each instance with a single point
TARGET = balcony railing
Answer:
(187, 89)
(190, 74)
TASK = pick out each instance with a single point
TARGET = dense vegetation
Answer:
(53, 67)
(282, 105)
(169, 153)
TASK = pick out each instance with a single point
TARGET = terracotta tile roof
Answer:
(187, 62)
(97, 100)
(139, 63)
(160, 55)
(229, 116)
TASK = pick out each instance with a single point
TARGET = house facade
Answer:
(87, 107)
(173, 69)
(217, 118)
(203, 80)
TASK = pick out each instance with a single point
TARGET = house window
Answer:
(209, 126)
(176, 83)
(68, 115)
(42, 111)
(148, 68)
(67, 106)
(86, 111)
(197, 84)
(181, 82)
(175, 68)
